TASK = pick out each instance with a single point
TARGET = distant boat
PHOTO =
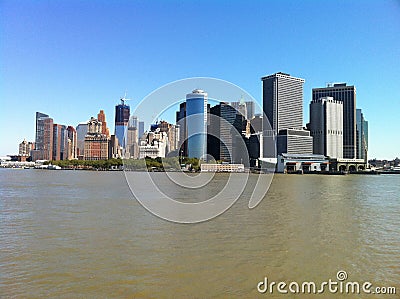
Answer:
(53, 167)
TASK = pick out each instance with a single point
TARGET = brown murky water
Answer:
(79, 234)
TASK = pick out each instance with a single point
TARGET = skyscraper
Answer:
(196, 123)
(101, 116)
(133, 122)
(220, 139)
(347, 95)
(240, 107)
(250, 106)
(122, 113)
(283, 101)
(181, 122)
(81, 131)
(246, 108)
(362, 136)
(71, 150)
(256, 124)
(326, 126)
(96, 143)
(240, 132)
(44, 138)
(113, 148)
(141, 129)
(365, 131)
(132, 146)
(283, 108)
(59, 141)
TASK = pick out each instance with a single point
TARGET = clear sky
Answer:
(69, 58)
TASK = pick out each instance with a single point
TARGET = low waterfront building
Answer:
(292, 163)
(16, 164)
(348, 165)
(224, 167)
(384, 164)
(266, 165)
(20, 158)
(5, 159)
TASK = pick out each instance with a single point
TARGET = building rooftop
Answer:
(282, 75)
(303, 156)
(198, 91)
(335, 86)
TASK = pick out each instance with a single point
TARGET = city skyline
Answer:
(76, 60)
(282, 105)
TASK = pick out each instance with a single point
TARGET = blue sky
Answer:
(71, 58)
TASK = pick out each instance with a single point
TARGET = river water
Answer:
(81, 234)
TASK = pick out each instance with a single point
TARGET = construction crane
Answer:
(123, 99)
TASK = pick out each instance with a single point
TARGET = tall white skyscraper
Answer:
(326, 126)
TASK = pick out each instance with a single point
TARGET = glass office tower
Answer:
(196, 124)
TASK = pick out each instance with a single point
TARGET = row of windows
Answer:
(319, 132)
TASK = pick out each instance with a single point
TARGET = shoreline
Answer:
(373, 172)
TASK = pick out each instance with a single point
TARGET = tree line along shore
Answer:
(156, 164)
